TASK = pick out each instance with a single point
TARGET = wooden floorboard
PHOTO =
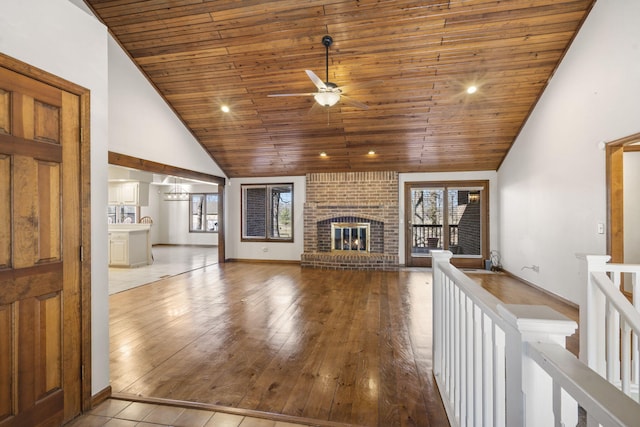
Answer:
(342, 346)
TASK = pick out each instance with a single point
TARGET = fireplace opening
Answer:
(352, 237)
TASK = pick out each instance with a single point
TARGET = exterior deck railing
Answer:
(430, 235)
(506, 365)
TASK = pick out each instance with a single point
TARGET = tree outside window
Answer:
(267, 212)
(203, 212)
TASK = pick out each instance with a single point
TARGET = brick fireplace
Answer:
(351, 198)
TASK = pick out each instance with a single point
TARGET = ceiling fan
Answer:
(328, 93)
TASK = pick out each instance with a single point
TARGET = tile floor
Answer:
(122, 413)
(168, 261)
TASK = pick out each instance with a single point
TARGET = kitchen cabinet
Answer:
(119, 249)
(129, 245)
(129, 193)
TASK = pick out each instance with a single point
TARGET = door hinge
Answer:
(82, 372)
(81, 134)
(81, 253)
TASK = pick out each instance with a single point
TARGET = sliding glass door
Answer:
(450, 216)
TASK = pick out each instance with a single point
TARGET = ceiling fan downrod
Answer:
(327, 41)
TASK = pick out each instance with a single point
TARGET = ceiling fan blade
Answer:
(314, 108)
(316, 80)
(353, 103)
(292, 94)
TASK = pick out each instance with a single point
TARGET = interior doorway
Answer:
(183, 216)
(620, 156)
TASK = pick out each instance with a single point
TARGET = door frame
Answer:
(463, 262)
(84, 314)
(615, 194)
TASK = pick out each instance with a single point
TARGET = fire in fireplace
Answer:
(349, 236)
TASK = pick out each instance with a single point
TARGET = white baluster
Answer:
(635, 370)
(487, 371)
(478, 401)
(612, 344)
(499, 377)
(625, 369)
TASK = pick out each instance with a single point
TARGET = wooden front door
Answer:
(40, 250)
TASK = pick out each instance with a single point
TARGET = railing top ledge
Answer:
(537, 322)
(601, 263)
(594, 259)
(438, 255)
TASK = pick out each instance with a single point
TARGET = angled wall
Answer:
(552, 183)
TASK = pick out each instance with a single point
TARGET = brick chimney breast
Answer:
(366, 196)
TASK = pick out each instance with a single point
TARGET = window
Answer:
(122, 214)
(267, 212)
(203, 212)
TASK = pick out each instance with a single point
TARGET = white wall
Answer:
(173, 218)
(153, 210)
(236, 249)
(142, 125)
(490, 176)
(59, 38)
(552, 183)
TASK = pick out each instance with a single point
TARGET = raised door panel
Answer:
(6, 395)
(5, 211)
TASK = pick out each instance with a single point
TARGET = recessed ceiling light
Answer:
(471, 89)
(371, 152)
(225, 108)
(323, 154)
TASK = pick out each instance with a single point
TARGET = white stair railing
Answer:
(505, 365)
(469, 351)
(610, 324)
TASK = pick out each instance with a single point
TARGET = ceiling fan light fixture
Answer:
(327, 99)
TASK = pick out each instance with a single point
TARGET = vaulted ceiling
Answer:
(409, 61)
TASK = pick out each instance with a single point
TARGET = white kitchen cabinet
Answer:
(129, 193)
(129, 245)
(119, 249)
(114, 193)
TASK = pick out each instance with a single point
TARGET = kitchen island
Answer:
(129, 245)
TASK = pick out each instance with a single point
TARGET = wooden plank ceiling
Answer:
(409, 61)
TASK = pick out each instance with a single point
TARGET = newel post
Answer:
(538, 323)
(592, 315)
(438, 257)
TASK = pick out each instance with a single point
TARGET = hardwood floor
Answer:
(348, 347)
